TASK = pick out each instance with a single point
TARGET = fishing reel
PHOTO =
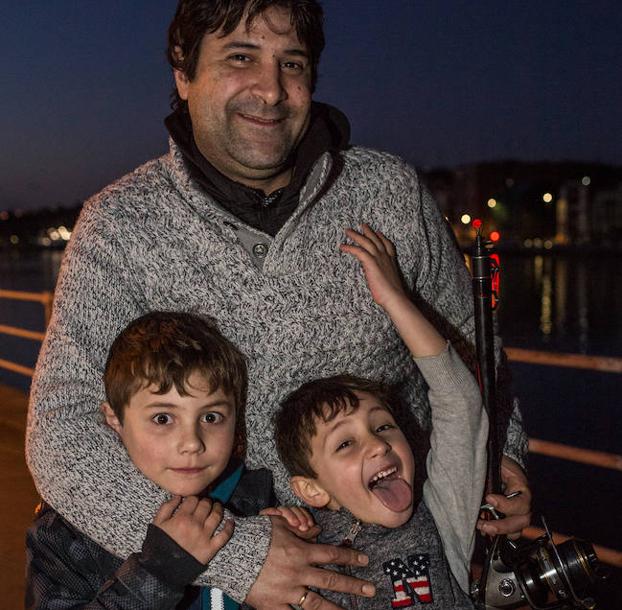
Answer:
(517, 573)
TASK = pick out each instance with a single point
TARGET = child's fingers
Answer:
(306, 516)
(203, 509)
(214, 518)
(363, 241)
(166, 511)
(373, 237)
(387, 243)
(188, 505)
(223, 536)
(271, 511)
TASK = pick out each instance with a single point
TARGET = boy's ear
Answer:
(309, 491)
(111, 418)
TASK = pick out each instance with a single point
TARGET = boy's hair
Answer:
(295, 423)
(164, 349)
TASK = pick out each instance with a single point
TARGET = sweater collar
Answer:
(329, 131)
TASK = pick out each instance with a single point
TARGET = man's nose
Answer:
(268, 84)
(190, 440)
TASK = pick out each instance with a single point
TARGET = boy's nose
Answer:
(378, 446)
(191, 442)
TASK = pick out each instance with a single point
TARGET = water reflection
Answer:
(562, 303)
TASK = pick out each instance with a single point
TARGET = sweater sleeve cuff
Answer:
(165, 559)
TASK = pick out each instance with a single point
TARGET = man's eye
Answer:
(212, 418)
(240, 57)
(294, 66)
(162, 419)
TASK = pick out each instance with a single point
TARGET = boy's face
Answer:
(181, 443)
(364, 463)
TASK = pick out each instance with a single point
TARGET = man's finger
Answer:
(335, 581)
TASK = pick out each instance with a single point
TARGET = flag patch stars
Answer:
(411, 583)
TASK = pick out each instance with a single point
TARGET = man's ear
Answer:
(111, 418)
(181, 80)
(310, 491)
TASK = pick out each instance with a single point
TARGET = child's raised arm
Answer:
(378, 258)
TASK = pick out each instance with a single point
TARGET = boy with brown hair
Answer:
(348, 458)
(175, 389)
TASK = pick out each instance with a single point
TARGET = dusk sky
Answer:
(86, 86)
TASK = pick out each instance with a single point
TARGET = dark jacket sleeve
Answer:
(67, 571)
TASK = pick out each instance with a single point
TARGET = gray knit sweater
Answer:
(295, 305)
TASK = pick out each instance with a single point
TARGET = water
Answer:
(557, 303)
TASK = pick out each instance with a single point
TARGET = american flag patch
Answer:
(411, 583)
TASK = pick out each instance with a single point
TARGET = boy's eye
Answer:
(385, 427)
(162, 419)
(344, 445)
(212, 418)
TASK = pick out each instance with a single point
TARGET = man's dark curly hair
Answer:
(195, 18)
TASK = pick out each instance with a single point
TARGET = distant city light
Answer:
(528, 243)
(495, 236)
(465, 219)
(492, 203)
(4, 215)
(64, 233)
(537, 243)
(548, 244)
(586, 181)
(547, 197)
(14, 239)
(477, 223)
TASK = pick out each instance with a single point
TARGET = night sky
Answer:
(85, 85)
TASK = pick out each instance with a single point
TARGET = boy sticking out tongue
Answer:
(348, 458)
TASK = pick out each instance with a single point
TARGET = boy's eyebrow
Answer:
(250, 46)
(335, 425)
(207, 405)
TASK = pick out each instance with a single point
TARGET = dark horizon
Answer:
(441, 84)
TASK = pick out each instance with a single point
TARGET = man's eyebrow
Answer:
(250, 46)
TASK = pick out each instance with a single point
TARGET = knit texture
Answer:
(155, 241)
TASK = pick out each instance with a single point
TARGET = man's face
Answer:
(181, 443)
(250, 98)
(365, 464)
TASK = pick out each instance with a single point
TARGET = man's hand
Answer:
(290, 568)
(298, 519)
(191, 523)
(517, 510)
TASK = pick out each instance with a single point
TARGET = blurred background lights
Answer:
(495, 236)
(465, 219)
(492, 203)
(547, 197)
(477, 223)
(586, 181)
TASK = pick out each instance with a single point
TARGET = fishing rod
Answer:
(519, 573)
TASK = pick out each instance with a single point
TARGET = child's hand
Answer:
(377, 257)
(191, 523)
(299, 520)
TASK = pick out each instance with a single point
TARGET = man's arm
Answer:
(80, 467)
(78, 464)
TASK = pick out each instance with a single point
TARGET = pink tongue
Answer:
(395, 494)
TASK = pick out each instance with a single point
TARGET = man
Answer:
(242, 221)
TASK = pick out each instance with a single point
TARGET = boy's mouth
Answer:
(392, 491)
